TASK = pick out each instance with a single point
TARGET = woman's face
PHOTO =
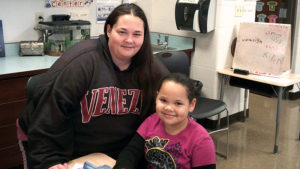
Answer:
(173, 105)
(126, 38)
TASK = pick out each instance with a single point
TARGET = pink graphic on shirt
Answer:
(272, 18)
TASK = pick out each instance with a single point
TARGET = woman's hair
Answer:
(142, 62)
(183, 80)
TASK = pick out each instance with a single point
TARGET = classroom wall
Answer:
(213, 49)
(18, 18)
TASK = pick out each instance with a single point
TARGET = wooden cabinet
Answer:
(12, 102)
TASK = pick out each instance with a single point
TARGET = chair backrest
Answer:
(32, 84)
(177, 62)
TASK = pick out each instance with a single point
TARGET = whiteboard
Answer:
(263, 47)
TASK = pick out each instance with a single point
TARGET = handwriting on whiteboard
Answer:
(263, 47)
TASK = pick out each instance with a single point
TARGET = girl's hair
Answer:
(142, 62)
(183, 80)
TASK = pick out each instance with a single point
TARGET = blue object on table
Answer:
(88, 165)
(2, 49)
(104, 167)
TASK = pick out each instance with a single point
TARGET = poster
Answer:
(67, 3)
(271, 11)
(2, 49)
(104, 8)
(263, 48)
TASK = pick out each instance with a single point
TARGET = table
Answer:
(281, 82)
(97, 159)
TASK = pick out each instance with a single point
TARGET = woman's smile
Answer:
(127, 46)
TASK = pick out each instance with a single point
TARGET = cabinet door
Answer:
(13, 89)
(9, 112)
(12, 103)
(11, 157)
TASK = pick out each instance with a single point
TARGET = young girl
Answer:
(169, 138)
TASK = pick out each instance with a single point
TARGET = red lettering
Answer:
(101, 100)
(86, 112)
(112, 100)
(135, 98)
(122, 101)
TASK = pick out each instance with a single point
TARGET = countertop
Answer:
(174, 41)
(12, 63)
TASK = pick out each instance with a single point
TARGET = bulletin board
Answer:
(263, 48)
(271, 11)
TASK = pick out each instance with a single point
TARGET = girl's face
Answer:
(173, 106)
(126, 38)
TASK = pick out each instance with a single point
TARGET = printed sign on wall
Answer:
(67, 3)
(104, 8)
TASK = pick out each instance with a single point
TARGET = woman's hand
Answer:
(60, 166)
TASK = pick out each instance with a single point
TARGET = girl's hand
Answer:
(60, 166)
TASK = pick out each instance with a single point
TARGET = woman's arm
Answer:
(132, 154)
(50, 131)
(97, 159)
(60, 166)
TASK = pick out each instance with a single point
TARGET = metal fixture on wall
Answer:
(195, 15)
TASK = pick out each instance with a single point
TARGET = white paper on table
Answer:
(77, 166)
(274, 79)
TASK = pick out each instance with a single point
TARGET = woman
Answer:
(96, 95)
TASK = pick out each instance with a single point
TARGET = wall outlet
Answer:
(239, 9)
(39, 17)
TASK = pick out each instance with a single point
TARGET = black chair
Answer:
(177, 62)
(31, 85)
